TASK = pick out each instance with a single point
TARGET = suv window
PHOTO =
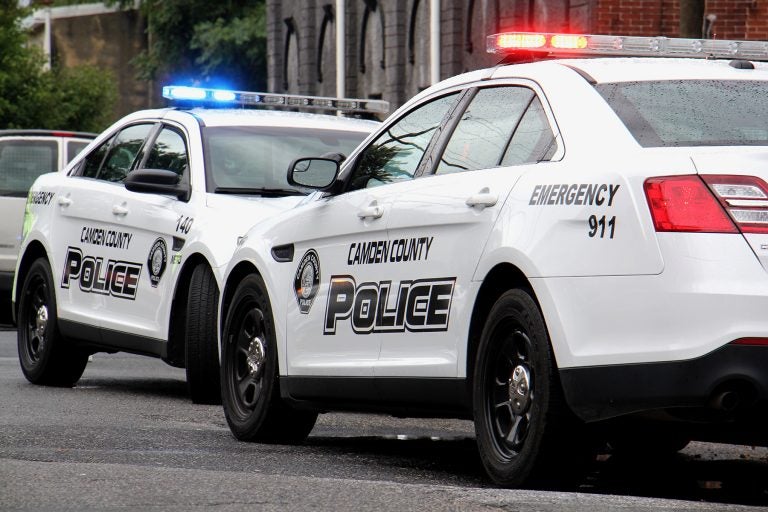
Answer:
(501, 126)
(22, 161)
(396, 154)
(168, 152)
(73, 148)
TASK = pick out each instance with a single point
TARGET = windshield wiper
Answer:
(274, 192)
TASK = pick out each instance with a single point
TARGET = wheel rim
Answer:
(36, 320)
(248, 358)
(510, 395)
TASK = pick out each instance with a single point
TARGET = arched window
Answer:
(290, 56)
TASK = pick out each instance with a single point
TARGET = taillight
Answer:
(744, 197)
(685, 203)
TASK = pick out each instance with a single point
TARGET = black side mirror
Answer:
(316, 173)
(157, 181)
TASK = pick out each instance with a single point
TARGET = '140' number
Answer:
(184, 224)
(600, 227)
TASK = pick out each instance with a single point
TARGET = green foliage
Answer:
(79, 98)
(203, 41)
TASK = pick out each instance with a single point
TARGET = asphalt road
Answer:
(127, 438)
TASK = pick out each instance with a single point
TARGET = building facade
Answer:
(387, 44)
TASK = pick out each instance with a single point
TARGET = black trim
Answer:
(283, 253)
(6, 282)
(601, 392)
(178, 243)
(406, 396)
(101, 339)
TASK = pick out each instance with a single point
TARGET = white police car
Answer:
(541, 247)
(122, 251)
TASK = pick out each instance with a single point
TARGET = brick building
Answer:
(387, 47)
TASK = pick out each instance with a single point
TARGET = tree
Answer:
(198, 41)
(79, 98)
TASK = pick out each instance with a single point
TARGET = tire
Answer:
(521, 420)
(46, 357)
(249, 375)
(201, 341)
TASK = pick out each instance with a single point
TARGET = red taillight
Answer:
(685, 203)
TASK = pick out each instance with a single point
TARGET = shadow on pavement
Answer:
(680, 476)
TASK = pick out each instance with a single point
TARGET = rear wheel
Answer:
(249, 377)
(46, 357)
(202, 356)
(520, 416)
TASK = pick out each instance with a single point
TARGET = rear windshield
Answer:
(255, 157)
(692, 112)
(22, 161)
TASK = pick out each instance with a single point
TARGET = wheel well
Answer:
(34, 251)
(238, 273)
(175, 355)
(501, 278)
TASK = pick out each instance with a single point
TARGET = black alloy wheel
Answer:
(249, 377)
(45, 356)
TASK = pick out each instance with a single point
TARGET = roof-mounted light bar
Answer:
(221, 97)
(628, 46)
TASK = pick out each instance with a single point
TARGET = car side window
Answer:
(123, 152)
(92, 163)
(501, 126)
(533, 140)
(396, 153)
(168, 152)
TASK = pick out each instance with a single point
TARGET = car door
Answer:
(156, 225)
(443, 221)
(342, 246)
(95, 257)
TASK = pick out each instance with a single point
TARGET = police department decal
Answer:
(307, 280)
(158, 255)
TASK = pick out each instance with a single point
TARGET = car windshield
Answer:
(692, 112)
(22, 161)
(256, 158)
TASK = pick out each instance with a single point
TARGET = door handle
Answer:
(119, 210)
(64, 201)
(372, 211)
(483, 199)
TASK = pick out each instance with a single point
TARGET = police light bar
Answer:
(200, 96)
(628, 46)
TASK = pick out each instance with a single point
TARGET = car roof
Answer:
(630, 69)
(46, 133)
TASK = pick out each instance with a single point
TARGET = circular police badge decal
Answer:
(156, 261)
(307, 280)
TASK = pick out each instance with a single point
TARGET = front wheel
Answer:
(520, 416)
(44, 354)
(249, 375)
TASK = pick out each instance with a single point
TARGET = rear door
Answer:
(443, 222)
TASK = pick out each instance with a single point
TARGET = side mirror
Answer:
(316, 173)
(157, 181)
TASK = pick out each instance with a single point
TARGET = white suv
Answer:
(123, 250)
(25, 155)
(542, 246)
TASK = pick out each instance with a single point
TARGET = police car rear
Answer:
(558, 248)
